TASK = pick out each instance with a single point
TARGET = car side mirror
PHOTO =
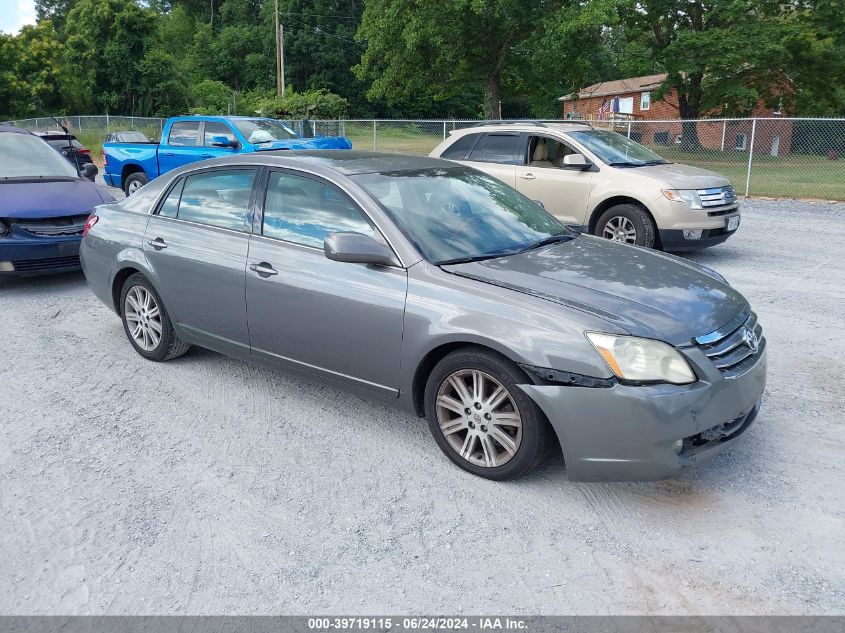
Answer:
(575, 161)
(222, 141)
(356, 248)
(539, 203)
(90, 171)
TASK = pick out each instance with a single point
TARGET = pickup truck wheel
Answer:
(134, 182)
(627, 223)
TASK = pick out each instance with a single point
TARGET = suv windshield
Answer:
(264, 130)
(617, 150)
(27, 156)
(459, 214)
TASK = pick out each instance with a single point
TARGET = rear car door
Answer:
(497, 154)
(542, 176)
(180, 147)
(336, 319)
(197, 244)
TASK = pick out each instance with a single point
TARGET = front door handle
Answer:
(157, 243)
(168, 154)
(263, 269)
(528, 176)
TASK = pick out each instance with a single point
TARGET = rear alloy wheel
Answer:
(134, 182)
(626, 223)
(146, 322)
(481, 419)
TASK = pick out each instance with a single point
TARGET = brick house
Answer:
(633, 100)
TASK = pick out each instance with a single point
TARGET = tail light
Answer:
(105, 157)
(83, 151)
(92, 220)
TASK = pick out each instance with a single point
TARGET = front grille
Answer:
(52, 227)
(48, 263)
(717, 196)
(735, 351)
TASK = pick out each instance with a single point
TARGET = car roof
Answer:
(12, 129)
(347, 162)
(526, 126)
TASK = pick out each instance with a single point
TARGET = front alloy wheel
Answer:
(620, 229)
(479, 418)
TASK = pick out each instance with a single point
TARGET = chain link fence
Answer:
(776, 157)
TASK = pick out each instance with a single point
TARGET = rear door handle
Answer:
(157, 243)
(528, 176)
(263, 269)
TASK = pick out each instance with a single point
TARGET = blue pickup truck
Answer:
(186, 139)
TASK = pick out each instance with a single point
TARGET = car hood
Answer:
(49, 199)
(679, 176)
(644, 292)
(318, 142)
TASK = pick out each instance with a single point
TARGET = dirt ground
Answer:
(207, 485)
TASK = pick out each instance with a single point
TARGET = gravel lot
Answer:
(207, 485)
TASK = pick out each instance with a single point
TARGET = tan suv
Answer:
(601, 182)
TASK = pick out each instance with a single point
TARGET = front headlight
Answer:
(642, 359)
(690, 196)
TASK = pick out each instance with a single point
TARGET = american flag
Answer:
(605, 108)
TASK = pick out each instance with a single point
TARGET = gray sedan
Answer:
(442, 291)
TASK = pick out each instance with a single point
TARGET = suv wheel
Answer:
(627, 223)
(481, 419)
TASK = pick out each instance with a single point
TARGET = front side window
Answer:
(304, 210)
(184, 133)
(459, 213)
(218, 198)
(497, 148)
(617, 150)
(27, 156)
(215, 128)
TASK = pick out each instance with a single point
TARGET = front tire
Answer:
(146, 322)
(134, 182)
(481, 419)
(627, 223)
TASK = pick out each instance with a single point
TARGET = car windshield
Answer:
(617, 150)
(460, 214)
(264, 130)
(27, 156)
(132, 137)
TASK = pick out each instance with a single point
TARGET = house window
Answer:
(740, 142)
(626, 105)
(645, 100)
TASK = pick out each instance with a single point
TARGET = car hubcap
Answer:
(134, 186)
(143, 318)
(479, 418)
(620, 229)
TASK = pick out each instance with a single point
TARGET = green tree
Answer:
(30, 71)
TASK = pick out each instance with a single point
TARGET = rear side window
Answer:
(170, 206)
(184, 133)
(303, 210)
(498, 148)
(218, 198)
(213, 128)
(460, 148)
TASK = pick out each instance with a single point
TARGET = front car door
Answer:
(180, 147)
(543, 176)
(197, 244)
(336, 319)
(212, 129)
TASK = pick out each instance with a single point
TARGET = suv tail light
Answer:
(92, 220)
(83, 150)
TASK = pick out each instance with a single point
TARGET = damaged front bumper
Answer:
(640, 433)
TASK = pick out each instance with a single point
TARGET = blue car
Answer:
(44, 206)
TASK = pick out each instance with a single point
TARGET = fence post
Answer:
(750, 157)
(444, 130)
(374, 135)
(629, 129)
(724, 129)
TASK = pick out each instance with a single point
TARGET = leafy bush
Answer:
(210, 97)
(313, 104)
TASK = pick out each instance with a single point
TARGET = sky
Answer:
(15, 13)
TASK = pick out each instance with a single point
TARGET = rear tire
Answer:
(146, 322)
(627, 223)
(474, 441)
(134, 182)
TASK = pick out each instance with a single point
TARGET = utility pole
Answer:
(280, 75)
(282, 54)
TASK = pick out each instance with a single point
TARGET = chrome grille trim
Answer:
(716, 196)
(728, 349)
